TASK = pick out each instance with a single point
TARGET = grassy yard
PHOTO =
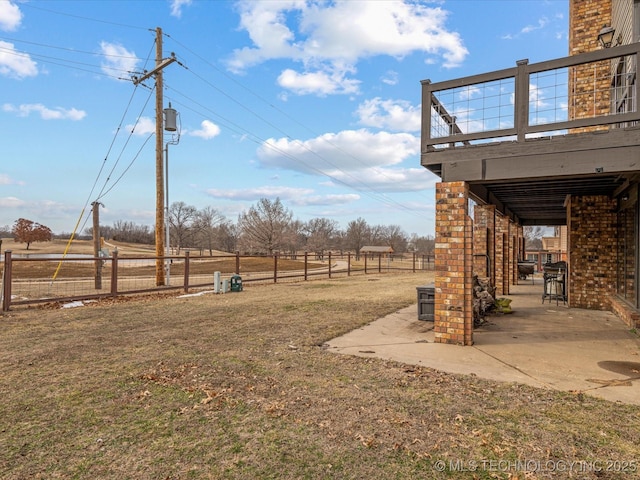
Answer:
(240, 386)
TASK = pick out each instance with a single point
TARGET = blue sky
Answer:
(314, 102)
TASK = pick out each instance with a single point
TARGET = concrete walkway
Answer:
(543, 345)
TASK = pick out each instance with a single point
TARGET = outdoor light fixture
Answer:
(605, 37)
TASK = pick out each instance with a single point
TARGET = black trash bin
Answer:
(426, 302)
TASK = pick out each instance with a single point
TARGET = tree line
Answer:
(266, 227)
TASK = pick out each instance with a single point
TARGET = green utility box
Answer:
(236, 283)
(426, 302)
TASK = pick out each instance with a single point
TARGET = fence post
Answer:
(114, 273)
(6, 282)
(275, 267)
(306, 255)
(186, 271)
(237, 272)
(366, 256)
(414, 262)
(329, 264)
(379, 262)
(348, 264)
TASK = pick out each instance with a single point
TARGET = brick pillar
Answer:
(589, 88)
(592, 225)
(586, 19)
(514, 247)
(523, 251)
(484, 227)
(503, 254)
(453, 315)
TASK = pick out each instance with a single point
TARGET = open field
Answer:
(77, 246)
(239, 386)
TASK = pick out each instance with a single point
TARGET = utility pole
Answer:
(157, 72)
(96, 244)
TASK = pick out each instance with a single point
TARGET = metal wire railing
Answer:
(27, 281)
(596, 90)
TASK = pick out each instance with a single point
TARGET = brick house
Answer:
(555, 143)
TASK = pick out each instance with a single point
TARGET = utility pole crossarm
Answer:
(167, 61)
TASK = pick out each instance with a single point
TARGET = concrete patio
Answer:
(543, 345)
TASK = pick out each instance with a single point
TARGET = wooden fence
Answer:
(31, 280)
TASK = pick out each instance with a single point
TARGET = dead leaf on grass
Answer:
(367, 442)
(144, 394)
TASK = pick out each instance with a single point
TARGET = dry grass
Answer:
(239, 386)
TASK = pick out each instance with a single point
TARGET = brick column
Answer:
(503, 254)
(513, 253)
(484, 227)
(453, 315)
(589, 90)
(592, 225)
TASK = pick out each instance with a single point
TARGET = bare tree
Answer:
(124, 231)
(533, 237)
(422, 245)
(206, 228)
(293, 238)
(263, 227)
(182, 219)
(319, 233)
(228, 236)
(395, 237)
(28, 231)
(358, 234)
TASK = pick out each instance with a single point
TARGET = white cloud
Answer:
(358, 159)
(15, 64)
(536, 97)
(284, 193)
(119, 61)
(11, 202)
(542, 22)
(46, 113)
(7, 180)
(300, 197)
(324, 200)
(320, 83)
(334, 36)
(387, 180)
(145, 126)
(208, 130)
(176, 7)
(349, 150)
(390, 78)
(10, 16)
(397, 115)
(468, 92)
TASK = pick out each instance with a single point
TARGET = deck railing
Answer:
(566, 95)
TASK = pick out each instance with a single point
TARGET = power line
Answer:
(90, 19)
(282, 112)
(364, 187)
